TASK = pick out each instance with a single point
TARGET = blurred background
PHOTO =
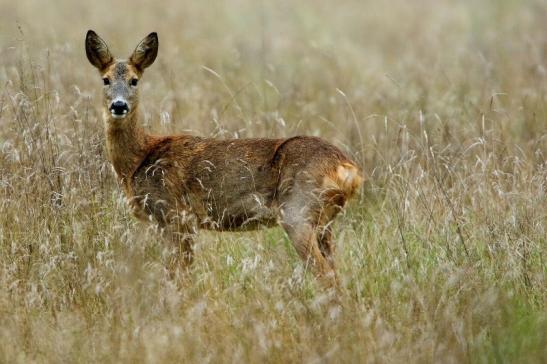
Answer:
(286, 67)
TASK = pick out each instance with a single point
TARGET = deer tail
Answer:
(342, 183)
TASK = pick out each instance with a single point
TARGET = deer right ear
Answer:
(146, 52)
(97, 51)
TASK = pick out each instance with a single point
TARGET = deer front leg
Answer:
(182, 255)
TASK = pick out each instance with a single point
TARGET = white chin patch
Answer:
(119, 116)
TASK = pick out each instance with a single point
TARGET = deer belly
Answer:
(249, 212)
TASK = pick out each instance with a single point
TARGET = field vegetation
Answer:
(441, 257)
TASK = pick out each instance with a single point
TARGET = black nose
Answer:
(119, 107)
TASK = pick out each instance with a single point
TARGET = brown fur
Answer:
(185, 183)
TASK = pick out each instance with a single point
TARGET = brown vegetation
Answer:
(440, 259)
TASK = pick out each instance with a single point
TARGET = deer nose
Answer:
(119, 107)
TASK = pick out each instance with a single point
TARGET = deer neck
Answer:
(126, 144)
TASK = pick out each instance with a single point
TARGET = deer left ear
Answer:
(97, 51)
(145, 53)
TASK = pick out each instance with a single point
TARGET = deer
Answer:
(185, 183)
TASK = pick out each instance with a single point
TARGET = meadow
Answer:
(441, 256)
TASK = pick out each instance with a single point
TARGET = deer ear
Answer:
(97, 51)
(145, 53)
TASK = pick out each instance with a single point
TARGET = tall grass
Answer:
(441, 257)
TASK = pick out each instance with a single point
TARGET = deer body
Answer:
(185, 183)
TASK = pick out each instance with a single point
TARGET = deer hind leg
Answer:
(332, 204)
(302, 231)
(327, 214)
(326, 245)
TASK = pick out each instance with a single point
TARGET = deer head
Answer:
(120, 76)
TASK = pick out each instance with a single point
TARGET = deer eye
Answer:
(106, 81)
(134, 82)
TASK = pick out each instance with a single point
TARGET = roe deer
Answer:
(184, 183)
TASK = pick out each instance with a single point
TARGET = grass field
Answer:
(441, 256)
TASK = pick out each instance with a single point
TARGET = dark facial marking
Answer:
(120, 70)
